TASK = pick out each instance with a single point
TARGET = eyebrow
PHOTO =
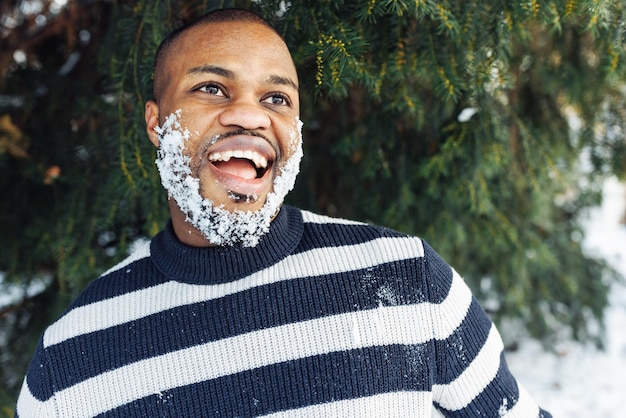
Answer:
(211, 69)
(223, 72)
(286, 81)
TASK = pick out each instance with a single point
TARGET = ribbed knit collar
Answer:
(211, 265)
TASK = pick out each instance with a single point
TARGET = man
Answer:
(245, 307)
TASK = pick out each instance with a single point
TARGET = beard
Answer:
(218, 225)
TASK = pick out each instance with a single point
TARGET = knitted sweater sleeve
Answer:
(36, 398)
(472, 377)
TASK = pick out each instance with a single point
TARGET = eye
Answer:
(212, 89)
(277, 99)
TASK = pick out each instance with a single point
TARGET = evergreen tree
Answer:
(464, 122)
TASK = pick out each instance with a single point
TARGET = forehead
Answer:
(238, 43)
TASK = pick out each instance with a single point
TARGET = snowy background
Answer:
(583, 381)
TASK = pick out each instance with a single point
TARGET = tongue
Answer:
(237, 167)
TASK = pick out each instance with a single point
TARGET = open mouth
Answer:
(248, 165)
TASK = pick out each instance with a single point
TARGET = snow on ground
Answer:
(584, 381)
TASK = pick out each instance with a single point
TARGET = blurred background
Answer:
(486, 127)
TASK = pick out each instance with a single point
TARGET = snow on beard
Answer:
(217, 225)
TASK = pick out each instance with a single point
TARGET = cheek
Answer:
(196, 167)
(196, 157)
(291, 138)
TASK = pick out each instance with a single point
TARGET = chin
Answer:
(233, 201)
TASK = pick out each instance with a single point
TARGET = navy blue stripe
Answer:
(438, 274)
(37, 376)
(295, 384)
(461, 348)
(258, 308)
(501, 392)
(336, 235)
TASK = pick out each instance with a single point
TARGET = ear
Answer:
(152, 121)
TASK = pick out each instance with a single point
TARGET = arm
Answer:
(472, 376)
(36, 398)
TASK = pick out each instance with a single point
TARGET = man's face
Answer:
(230, 90)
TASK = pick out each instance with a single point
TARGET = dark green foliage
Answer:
(383, 83)
(499, 195)
(48, 220)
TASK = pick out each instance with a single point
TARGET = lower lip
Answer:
(239, 185)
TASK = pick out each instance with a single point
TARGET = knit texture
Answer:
(324, 318)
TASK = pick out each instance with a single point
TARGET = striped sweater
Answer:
(324, 318)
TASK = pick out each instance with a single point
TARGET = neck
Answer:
(186, 232)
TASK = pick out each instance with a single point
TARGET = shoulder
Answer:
(342, 232)
(349, 232)
(382, 243)
(134, 273)
(129, 275)
(375, 244)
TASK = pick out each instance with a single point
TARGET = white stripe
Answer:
(524, 407)
(310, 217)
(395, 404)
(458, 299)
(464, 389)
(29, 406)
(138, 304)
(378, 327)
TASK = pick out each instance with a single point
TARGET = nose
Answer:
(249, 115)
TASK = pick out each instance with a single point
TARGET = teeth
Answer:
(258, 160)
